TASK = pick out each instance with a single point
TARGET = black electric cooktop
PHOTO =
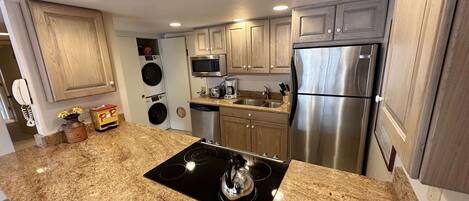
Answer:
(196, 172)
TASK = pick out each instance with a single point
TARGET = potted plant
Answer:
(74, 130)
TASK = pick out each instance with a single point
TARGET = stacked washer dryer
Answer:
(155, 93)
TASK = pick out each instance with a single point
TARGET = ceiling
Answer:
(154, 16)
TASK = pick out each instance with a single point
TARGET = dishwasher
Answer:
(206, 122)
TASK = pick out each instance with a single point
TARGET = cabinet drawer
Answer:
(255, 115)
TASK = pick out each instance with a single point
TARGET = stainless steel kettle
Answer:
(236, 182)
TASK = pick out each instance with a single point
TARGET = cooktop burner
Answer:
(172, 172)
(196, 172)
(200, 155)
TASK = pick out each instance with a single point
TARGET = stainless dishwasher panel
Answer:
(206, 122)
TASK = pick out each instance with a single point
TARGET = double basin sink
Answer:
(259, 102)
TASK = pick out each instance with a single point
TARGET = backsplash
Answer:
(254, 82)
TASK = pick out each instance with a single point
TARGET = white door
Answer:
(176, 75)
(6, 146)
(196, 83)
(135, 104)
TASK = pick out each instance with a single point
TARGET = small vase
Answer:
(74, 130)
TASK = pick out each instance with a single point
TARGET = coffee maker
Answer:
(231, 88)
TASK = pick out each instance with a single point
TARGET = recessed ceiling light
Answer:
(280, 7)
(175, 24)
(4, 34)
(238, 20)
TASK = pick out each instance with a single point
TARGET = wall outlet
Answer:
(433, 194)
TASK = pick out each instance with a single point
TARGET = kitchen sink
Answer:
(272, 103)
(250, 101)
(259, 102)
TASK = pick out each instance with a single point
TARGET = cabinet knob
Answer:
(272, 66)
(378, 98)
(275, 157)
(247, 126)
(249, 114)
(143, 95)
(252, 126)
(338, 30)
(249, 66)
(244, 66)
(329, 30)
(111, 83)
(207, 49)
(264, 154)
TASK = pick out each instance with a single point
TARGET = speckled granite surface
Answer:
(311, 182)
(110, 166)
(402, 185)
(107, 166)
(284, 108)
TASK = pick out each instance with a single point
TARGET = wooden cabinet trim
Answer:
(280, 45)
(318, 17)
(65, 78)
(377, 9)
(257, 46)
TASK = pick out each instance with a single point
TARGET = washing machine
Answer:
(152, 75)
(158, 115)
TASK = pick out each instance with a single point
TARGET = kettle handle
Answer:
(228, 177)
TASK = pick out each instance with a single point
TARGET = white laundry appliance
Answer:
(152, 75)
(158, 111)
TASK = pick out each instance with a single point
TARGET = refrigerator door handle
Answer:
(294, 92)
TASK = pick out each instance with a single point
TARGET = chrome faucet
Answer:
(266, 92)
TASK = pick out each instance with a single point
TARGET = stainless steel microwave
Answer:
(208, 65)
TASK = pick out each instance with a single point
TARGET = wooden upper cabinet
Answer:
(446, 162)
(202, 41)
(73, 45)
(416, 48)
(313, 24)
(217, 40)
(269, 139)
(236, 133)
(258, 46)
(362, 19)
(280, 45)
(236, 48)
(210, 40)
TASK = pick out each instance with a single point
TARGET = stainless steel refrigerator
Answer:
(331, 97)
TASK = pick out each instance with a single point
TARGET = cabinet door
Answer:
(202, 41)
(280, 45)
(217, 40)
(236, 48)
(409, 84)
(270, 139)
(362, 19)
(258, 46)
(74, 49)
(313, 24)
(236, 133)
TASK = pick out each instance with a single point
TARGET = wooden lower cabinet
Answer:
(261, 136)
(269, 139)
(236, 132)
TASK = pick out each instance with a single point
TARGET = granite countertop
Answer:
(110, 166)
(284, 108)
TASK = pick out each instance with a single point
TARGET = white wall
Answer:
(376, 168)
(255, 82)
(6, 146)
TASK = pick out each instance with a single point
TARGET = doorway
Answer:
(21, 135)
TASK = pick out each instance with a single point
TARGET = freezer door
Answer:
(342, 71)
(330, 131)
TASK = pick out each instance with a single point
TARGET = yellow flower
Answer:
(76, 110)
(63, 114)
